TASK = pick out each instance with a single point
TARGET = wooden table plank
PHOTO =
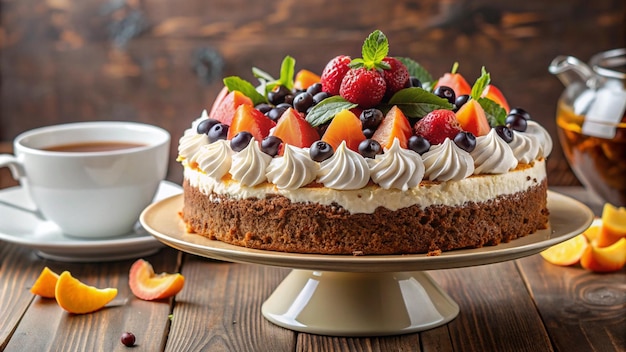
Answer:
(582, 311)
(220, 308)
(101, 330)
(497, 313)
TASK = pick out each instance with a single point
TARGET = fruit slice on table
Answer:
(492, 92)
(249, 119)
(225, 109)
(568, 252)
(45, 283)
(304, 79)
(147, 285)
(345, 126)
(293, 129)
(394, 125)
(613, 225)
(472, 118)
(79, 298)
(605, 259)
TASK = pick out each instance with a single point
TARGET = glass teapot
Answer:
(591, 121)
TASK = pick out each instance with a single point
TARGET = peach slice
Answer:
(605, 259)
(45, 284)
(472, 118)
(492, 92)
(613, 225)
(568, 252)
(304, 79)
(147, 285)
(79, 298)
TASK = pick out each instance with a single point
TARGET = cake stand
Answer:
(344, 295)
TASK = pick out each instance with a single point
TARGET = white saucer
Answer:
(20, 224)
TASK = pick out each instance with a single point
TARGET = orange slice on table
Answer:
(613, 225)
(79, 298)
(605, 259)
(147, 285)
(45, 283)
(568, 252)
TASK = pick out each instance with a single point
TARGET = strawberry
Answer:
(438, 125)
(363, 86)
(333, 74)
(224, 111)
(455, 81)
(396, 77)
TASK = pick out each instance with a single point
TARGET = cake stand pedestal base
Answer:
(359, 304)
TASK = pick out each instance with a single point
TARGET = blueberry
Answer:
(505, 133)
(317, 98)
(278, 95)
(128, 339)
(371, 118)
(275, 113)
(418, 144)
(415, 82)
(368, 132)
(465, 140)
(314, 88)
(270, 145)
(520, 111)
(369, 148)
(516, 122)
(263, 107)
(205, 125)
(445, 92)
(460, 101)
(240, 141)
(302, 101)
(217, 132)
(320, 151)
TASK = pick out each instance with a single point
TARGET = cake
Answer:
(371, 157)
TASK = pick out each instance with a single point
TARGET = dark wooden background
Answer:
(161, 62)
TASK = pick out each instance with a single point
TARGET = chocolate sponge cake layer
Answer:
(275, 223)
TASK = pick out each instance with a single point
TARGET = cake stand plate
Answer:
(345, 295)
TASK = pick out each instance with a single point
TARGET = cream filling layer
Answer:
(478, 188)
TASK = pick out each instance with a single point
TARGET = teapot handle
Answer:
(569, 69)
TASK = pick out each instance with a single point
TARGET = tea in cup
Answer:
(92, 179)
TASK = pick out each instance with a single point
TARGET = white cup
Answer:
(95, 194)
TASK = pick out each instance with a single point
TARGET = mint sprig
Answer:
(480, 84)
(245, 87)
(326, 109)
(286, 79)
(417, 102)
(496, 114)
(375, 49)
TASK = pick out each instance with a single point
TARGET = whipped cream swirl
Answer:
(293, 170)
(214, 159)
(190, 143)
(250, 164)
(492, 155)
(542, 135)
(525, 146)
(344, 170)
(397, 168)
(447, 162)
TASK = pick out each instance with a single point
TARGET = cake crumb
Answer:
(356, 253)
(434, 253)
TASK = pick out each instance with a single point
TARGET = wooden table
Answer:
(521, 305)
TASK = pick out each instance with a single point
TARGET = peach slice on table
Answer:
(605, 259)
(78, 298)
(147, 285)
(568, 252)
(613, 225)
(45, 284)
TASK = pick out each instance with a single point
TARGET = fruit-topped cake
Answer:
(372, 156)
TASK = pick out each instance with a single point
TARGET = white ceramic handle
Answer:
(10, 161)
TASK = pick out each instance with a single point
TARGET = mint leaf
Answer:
(417, 102)
(262, 75)
(245, 87)
(480, 84)
(416, 70)
(496, 115)
(326, 109)
(287, 72)
(375, 49)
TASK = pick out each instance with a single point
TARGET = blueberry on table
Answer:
(128, 339)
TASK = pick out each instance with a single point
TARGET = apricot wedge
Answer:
(605, 259)
(79, 298)
(566, 253)
(45, 284)
(613, 225)
(147, 285)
